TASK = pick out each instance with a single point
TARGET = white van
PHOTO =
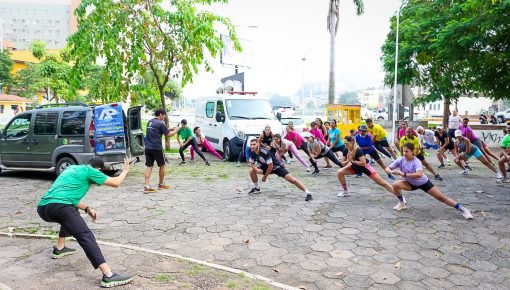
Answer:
(228, 119)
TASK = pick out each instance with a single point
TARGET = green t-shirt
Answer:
(184, 133)
(505, 143)
(72, 185)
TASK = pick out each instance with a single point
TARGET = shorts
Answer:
(280, 171)
(374, 155)
(425, 187)
(154, 155)
(420, 157)
(341, 149)
(477, 154)
(368, 170)
(478, 143)
(383, 142)
(428, 146)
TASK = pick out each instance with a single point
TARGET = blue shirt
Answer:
(365, 143)
(333, 133)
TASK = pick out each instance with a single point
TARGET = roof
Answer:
(26, 55)
(13, 98)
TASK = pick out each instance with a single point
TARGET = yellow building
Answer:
(10, 105)
(22, 58)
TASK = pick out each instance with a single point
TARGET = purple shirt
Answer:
(467, 130)
(410, 167)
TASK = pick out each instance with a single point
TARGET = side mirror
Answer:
(220, 117)
(279, 116)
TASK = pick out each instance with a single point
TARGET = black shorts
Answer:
(450, 146)
(425, 187)
(154, 155)
(341, 149)
(374, 155)
(420, 157)
(280, 171)
(383, 142)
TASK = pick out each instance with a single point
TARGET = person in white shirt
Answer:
(454, 122)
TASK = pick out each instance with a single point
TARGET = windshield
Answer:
(249, 109)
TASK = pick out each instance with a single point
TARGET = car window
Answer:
(45, 123)
(219, 107)
(134, 120)
(73, 123)
(209, 109)
(19, 127)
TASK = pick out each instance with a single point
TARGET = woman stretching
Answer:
(300, 143)
(359, 165)
(282, 146)
(410, 168)
(318, 150)
(465, 149)
(202, 142)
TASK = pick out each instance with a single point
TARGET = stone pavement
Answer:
(328, 243)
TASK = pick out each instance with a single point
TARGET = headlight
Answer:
(239, 133)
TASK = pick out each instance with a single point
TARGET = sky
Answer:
(283, 31)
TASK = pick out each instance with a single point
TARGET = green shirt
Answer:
(72, 185)
(505, 143)
(184, 133)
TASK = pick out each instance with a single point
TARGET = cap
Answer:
(306, 135)
(363, 127)
(439, 127)
(458, 133)
(183, 121)
(313, 123)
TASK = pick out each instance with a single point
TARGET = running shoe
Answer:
(506, 180)
(508, 169)
(207, 163)
(358, 175)
(308, 197)
(343, 193)
(400, 206)
(182, 163)
(291, 160)
(224, 159)
(308, 170)
(148, 189)
(441, 166)
(404, 199)
(372, 162)
(464, 172)
(468, 167)
(315, 172)
(287, 161)
(65, 251)
(238, 164)
(115, 280)
(163, 186)
(254, 190)
(438, 177)
(327, 167)
(467, 214)
(499, 175)
(391, 177)
(426, 153)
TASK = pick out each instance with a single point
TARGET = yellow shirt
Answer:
(415, 140)
(377, 131)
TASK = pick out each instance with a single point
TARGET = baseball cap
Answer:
(363, 127)
(306, 135)
(458, 133)
(439, 127)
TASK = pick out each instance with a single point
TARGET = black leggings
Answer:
(383, 150)
(305, 149)
(72, 224)
(192, 142)
(331, 156)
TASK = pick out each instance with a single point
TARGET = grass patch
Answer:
(223, 176)
(163, 278)
(31, 230)
(260, 287)
(172, 150)
(196, 270)
(232, 285)
(241, 275)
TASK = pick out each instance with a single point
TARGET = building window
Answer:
(1, 109)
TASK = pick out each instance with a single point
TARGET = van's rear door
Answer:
(135, 132)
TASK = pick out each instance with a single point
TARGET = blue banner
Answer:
(109, 128)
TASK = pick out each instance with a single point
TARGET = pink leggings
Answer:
(292, 148)
(207, 146)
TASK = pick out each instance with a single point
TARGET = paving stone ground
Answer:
(328, 243)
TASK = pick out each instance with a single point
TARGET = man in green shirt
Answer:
(505, 155)
(186, 135)
(61, 203)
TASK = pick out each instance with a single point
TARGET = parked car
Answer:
(55, 137)
(503, 116)
(299, 123)
(285, 111)
(228, 119)
(383, 115)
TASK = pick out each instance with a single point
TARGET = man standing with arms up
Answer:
(156, 128)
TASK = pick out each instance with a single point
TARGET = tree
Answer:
(5, 69)
(137, 36)
(349, 98)
(333, 20)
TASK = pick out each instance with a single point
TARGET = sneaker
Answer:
(438, 177)
(115, 280)
(400, 205)
(468, 167)
(448, 163)
(391, 177)
(441, 166)
(163, 186)
(287, 161)
(467, 214)
(207, 163)
(343, 193)
(315, 172)
(308, 197)
(224, 159)
(291, 160)
(238, 164)
(426, 153)
(327, 167)
(506, 180)
(508, 169)
(372, 162)
(254, 190)
(464, 172)
(308, 170)
(499, 175)
(57, 254)
(358, 175)
(148, 189)
(182, 163)
(404, 199)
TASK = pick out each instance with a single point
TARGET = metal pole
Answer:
(303, 58)
(395, 83)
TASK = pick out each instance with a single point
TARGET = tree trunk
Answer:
(167, 121)
(331, 92)
(446, 112)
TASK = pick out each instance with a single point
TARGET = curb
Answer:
(160, 253)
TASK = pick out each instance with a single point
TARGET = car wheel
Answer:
(63, 163)
(0, 170)
(227, 150)
(380, 118)
(501, 120)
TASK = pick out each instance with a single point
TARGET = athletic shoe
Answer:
(238, 164)
(291, 160)
(287, 161)
(148, 189)
(391, 177)
(254, 190)
(207, 163)
(308, 197)
(182, 163)
(404, 199)
(426, 153)
(400, 205)
(343, 193)
(372, 162)
(506, 180)
(441, 166)
(315, 172)
(57, 254)
(468, 167)
(115, 280)
(448, 163)
(224, 159)
(466, 214)
(464, 172)
(327, 167)
(163, 186)
(358, 175)
(308, 170)
(499, 175)
(438, 177)
(508, 169)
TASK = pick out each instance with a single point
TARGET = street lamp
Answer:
(395, 83)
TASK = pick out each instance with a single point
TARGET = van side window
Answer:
(134, 120)
(209, 109)
(219, 107)
(19, 127)
(46, 123)
(73, 123)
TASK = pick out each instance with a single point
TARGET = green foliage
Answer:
(5, 68)
(38, 49)
(348, 98)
